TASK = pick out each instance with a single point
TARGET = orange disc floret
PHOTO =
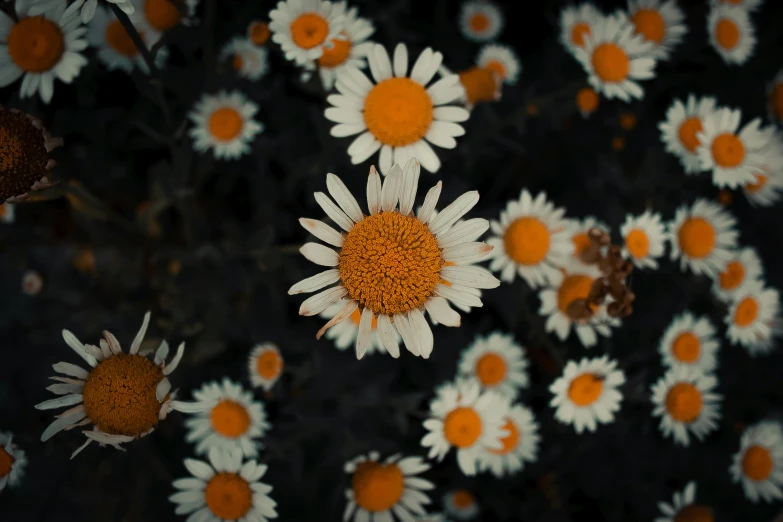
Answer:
(638, 243)
(527, 241)
(696, 237)
(390, 263)
(230, 419)
(309, 30)
(225, 124)
(585, 389)
(337, 53)
(727, 34)
(269, 364)
(650, 24)
(462, 427)
(376, 487)
(119, 395)
(684, 402)
(163, 15)
(510, 441)
(587, 100)
(119, 40)
(728, 150)
(694, 513)
(23, 155)
(258, 32)
(686, 347)
(572, 288)
(36, 44)
(732, 276)
(491, 369)
(611, 63)
(228, 496)
(398, 112)
(747, 312)
(687, 133)
(479, 22)
(6, 462)
(757, 463)
(480, 84)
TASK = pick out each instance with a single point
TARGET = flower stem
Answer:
(135, 37)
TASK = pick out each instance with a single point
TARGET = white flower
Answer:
(660, 22)
(744, 267)
(519, 446)
(224, 122)
(497, 362)
(577, 22)
(12, 461)
(758, 464)
(690, 341)
(754, 317)
(684, 508)
(764, 190)
(644, 238)
(680, 131)
(480, 21)
(303, 28)
(502, 60)
(702, 236)
(115, 47)
(461, 504)
(265, 366)
(349, 50)
(731, 33)
(248, 59)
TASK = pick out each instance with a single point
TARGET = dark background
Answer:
(232, 228)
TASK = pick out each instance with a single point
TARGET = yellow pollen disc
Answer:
(377, 487)
(119, 40)
(684, 402)
(649, 23)
(258, 32)
(356, 316)
(638, 243)
(479, 22)
(491, 369)
(686, 347)
(230, 419)
(511, 441)
(497, 67)
(119, 395)
(390, 263)
(747, 312)
(6, 462)
(309, 30)
(23, 156)
(728, 150)
(225, 124)
(587, 100)
(162, 15)
(586, 389)
(337, 54)
(572, 288)
(269, 364)
(761, 180)
(479, 84)
(228, 496)
(527, 241)
(581, 243)
(757, 463)
(398, 112)
(463, 499)
(36, 44)
(578, 33)
(696, 237)
(727, 34)
(611, 63)
(627, 121)
(694, 513)
(687, 133)
(462, 427)
(776, 101)
(732, 276)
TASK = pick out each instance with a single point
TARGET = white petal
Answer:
(78, 347)
(316, 282)
(390, 193)
(469, 230)
(457, 296)
(400, 61)
(471, 276)
(467, 253)
(162, 389)
(453, 212)
(321, 301)
(134, 349)
(322, 231)
(319, 254)
(441, 312)
(387, 335)
(374, 191)
(422, 331)
(333, 211)
(430, 201)
(364, 337)
(343, 197)
(404, 328)
(339, 317)
(410, 183)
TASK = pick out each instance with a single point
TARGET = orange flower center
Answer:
(390, 263)
(733, 276)
(462, 427)
(6, 462)
(258, 32)
(228, 496)
(510, 441)
(479, 22)
(611, 63)
(225, 124)
(757, 463)
(162, 15)
(377, 487)
(269, 364)
(727, 34)
(728, 150)
(688, 129)
(587, 100)
(491, 369)
(462, 499)
(581, 243)
(638, 243)
(578, 33)
(237, 62)
(649, 23)
(398, 111)
(696, 237)
(686, 347)
(747, 312)
(527, 241)
(119, 395)
(118, 39)
(684, 402)
(586, 389)
(497, 67)
(337, 54)
(761, 180)
(36, 44)
(776, 100)
(230, 419)
(479, 84)
(572, 288)
(23, 156)
(309, 30)
(694, 513)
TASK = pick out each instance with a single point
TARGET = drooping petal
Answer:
(321, 301)
(316, 282)
(440, 311)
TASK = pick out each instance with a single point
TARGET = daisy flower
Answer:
(164, 15)
(304, 28)
(775, 97)
(258, 32)
(7, 213)
(347, 51)
(748, 5)
(576, 23)
(731, 32)
(753, 317)
(579, 231)
(480, 84)
(765, 190)
(587, 393)
(660, 22)
(587, 101)
(643, 239)
(497, 362)
(614, 58)
(115, 47)
(680, 131)
(684, 508)
(758, 464)
(225, 417)
(690, 342)
(480, 21)
(501, 60)
(32, 283)
(461, 504)
(224, 122)
(702, 236)
(344, 333)
(391, 263)
(396, 113)
(386, 490)
(686, 403)
(123, 395)
(248, 59)
(225, 489)
(744, 266)
(42, 44)
(467, 419)
(519, 446)
(532, 240)
(265, 366)
(90, 7)
(12, 461)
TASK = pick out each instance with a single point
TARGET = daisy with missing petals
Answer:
(680, 131)
(467, 419)
(224, 123)
(42, 44)
(684, 508)
(702, 237)
(348, 50)
(265, 366)
(644, 238)
(225, 489)
(753, 317)
(461, 504)
(344, 334)
(391, 264)
(775, 97)
(502, 60)
(304, 28)
(758, 464)
(587, 393)
(12, 461)
(532, 240)
(519, 446)
(7, 213)
(248, 59)
(123, 395)
(690, 341)
(686, 403)
(386, 490)
(115, 47)
(497, 362)
(745, 266)
(731, 33)
(660, 22)
(480, 21)
(225, 417)
(576, 23)
(397, 113)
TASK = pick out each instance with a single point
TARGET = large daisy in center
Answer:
(396, 112)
